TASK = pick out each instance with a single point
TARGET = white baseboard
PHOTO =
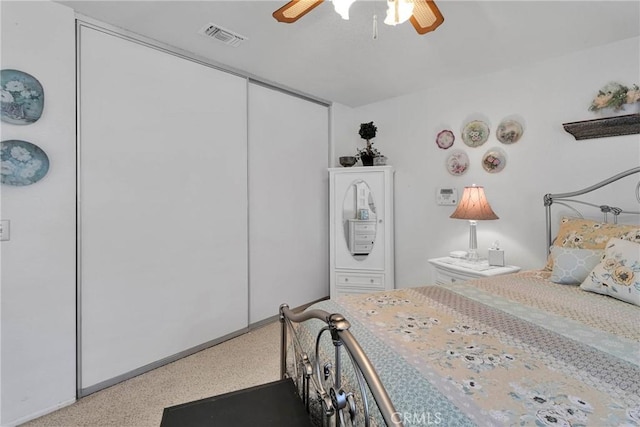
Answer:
(39, 414)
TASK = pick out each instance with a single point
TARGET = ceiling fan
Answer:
(423, 14)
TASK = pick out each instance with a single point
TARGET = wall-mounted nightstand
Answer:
(452, 270)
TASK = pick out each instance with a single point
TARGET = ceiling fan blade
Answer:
(295, 10)
(426, 16)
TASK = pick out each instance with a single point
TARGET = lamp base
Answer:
(472, 255)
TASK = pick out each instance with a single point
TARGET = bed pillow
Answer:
(618, 273)
(571, 266)
(582, 233)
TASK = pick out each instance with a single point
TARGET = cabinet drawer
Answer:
(342, 290)
(362, 249)
(372, 282)
(368, 228)
(364, 237)
(447, 277)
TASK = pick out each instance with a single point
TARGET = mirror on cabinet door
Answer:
(359, 218)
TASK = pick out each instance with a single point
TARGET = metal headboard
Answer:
(565, 198)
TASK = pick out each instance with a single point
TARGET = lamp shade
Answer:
(474, 205)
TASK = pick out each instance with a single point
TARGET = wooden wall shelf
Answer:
(609, 126)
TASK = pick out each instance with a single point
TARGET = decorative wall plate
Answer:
(445, 139)
(22, 97)
(509, 131)
(475, 133)
(457, 162)
(23, 163)
(494, 160)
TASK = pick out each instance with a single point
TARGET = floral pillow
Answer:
(582, 233)
(618, 273)
(571, 266)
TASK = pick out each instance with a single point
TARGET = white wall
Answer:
(546, 159)
(343, 123)
(38, 263)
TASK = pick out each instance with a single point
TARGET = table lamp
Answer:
(473, 206)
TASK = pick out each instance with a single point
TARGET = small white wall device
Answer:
(447, 196)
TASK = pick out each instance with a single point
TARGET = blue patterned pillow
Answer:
(571, 266)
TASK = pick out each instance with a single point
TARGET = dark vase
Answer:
(367, 160)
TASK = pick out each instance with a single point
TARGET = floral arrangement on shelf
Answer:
(368, 132)
(615, 96)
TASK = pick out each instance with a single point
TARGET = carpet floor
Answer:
(250, 359)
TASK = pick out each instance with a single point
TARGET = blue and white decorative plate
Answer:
(23, 163)
(22, 97)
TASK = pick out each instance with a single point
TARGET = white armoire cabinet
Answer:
(361, 229)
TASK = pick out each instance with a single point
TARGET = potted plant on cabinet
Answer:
(369, 153)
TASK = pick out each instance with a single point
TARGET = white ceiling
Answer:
(337, 60)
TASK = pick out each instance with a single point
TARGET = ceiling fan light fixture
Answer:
(295, 10)
(423, 14)
(399, 11)
(426, 16)
(342, 8)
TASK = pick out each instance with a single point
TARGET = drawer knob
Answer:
(371, 280)
(453, 280)
(346, 279)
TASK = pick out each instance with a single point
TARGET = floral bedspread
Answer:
(513, 350)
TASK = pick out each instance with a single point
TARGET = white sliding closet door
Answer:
(288, 201)
(163, 206)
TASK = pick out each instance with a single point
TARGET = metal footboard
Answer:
(339, 404)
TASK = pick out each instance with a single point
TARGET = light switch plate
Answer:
(4, 229)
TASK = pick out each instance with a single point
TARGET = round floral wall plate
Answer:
(445, 139)
(475, 133)
(22, 97)
(494, 160)
(509, 131)
(457, 162)
(23, 163)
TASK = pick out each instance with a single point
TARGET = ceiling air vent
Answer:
(222, 34)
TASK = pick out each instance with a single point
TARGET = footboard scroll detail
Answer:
(322, 385)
